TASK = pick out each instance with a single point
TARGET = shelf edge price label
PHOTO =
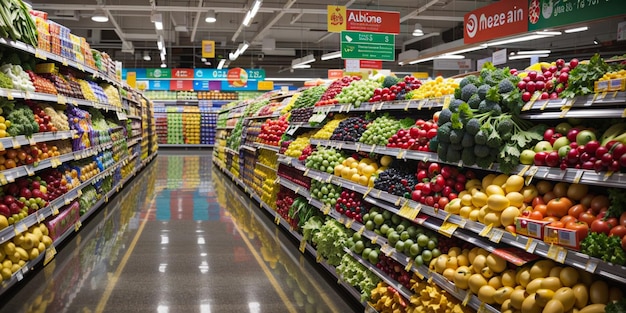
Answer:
(486, 230)
(361, 230)
(20, 228)
(448, 229)
(592, 265)
(50, 253)
(496, 235)
(302, 247)
(409, 265)
(15, 143)
(466, 299)
(77, 225)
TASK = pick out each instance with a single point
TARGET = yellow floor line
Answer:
(113, 281)
(268, 273)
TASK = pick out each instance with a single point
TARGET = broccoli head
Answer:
(505, 126)
(442, 151)
(433, 144)
(480, 138)
(389, 81)
(454, 105)
(444, 116)
(443, 132)
(474, 101)
(481, 151)
(472, 127)
(453, 155)
(505, 86)
(456, 135)
(482, 91)
(467, 141)
(468, 91)
(468, 80)
(468, 157)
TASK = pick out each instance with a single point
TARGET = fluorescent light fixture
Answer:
(160, 43)
(232, 56)
(534, 52)
(221, 64)
(331, 55)
(157, 19)
(99, 16)
(532, 36)
(300, 66)
(203, 59)
(596, 41)
(450, 57)
(158, 25)
(528, 56)
(163, 65)
(421, 60)
(418, 30)
(247, 19)
(252, 12)
(303, 60)
(146, 56)
(549, 33)
(243, 47)
(162, 56)
(577, 29)
(210, 17)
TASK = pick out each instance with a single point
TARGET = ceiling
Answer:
(297, 26)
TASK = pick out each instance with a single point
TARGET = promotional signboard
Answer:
(340, 19)
(368, 46)
(500, 19)
(544, 14)
(208, 48)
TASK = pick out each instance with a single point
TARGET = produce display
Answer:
(20, 78)
(24, 247)
(470, 204)
(272, 131)
(17, 23)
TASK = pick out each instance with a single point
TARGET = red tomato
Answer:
(535, 215)
(587, 217)
(618, 230)
(600, 226)
(542, 208)
(537, 200)
(576, 210)
(559, 206)
(568, 218)
(612, 221)
(557, 224)
(622, 219)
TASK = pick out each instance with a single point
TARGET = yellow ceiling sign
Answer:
(208, 48)
(337, 18)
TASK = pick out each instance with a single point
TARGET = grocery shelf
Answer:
(248, 148)
(134, 117)
(18, 141)
(60, 99)
(267, 147)
(605, 99)
(44, 55)
(267, 167)
(261, 117)
(435, 103)
(570, 175)
(163, 145)
(496, 235)
(304, 125)
(130, 100)
(576, 113)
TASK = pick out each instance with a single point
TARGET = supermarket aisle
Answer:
(179, 238)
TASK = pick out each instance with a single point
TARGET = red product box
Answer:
(529, 227)
(569, 238)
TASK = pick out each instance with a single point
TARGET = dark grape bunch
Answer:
(301, 115)
(396, 182)
(350, 129)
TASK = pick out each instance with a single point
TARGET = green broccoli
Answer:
(481, 151)
(483, 107)
(454, 105)
(468, 157)
(457, 93)
(480, 138)
(482, 91)
(443, 132)
(474, 101)
(505, 86)
(468, 80)
(442, 151)
(494, 140)
(453, 155)
(433, 144)
(505, 126)
(472, 126)
(468, 91)
(444, 116)
(389, 81)
(467, 141)
(486, 161)
(456, 135)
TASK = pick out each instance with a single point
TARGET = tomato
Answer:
(535, 215)
(558, 207)
(557, 224)
(622, 219)
(586, 200)
(612, 221)
(568, 218)
(511, 229)
(587, 217)
(443, 201)
(537, 201)
(581, 228)
(548, 196)
(576, 210)
(600, 226)
(618, 230)
(541, 208)
(551, 219)
(599, 202)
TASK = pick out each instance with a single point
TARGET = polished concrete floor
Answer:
(179, 238)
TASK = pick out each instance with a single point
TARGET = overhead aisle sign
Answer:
(550, 13)
(368, 46)
(340, 18)
(501, 19)
(235, 79)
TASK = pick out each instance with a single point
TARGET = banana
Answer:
(612, 132)
(621, 138)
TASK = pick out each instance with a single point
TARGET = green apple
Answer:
(564, 150)
(560, 142)
(543, 146)
(584, 137)
(527, 157)
(563, 128)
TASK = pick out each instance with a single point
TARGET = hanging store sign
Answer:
(335, 74)
(265, 85)
(181, 73)
(208, 48)
(131, 79)
(340, 18)
(544, 14)
(359, 64)
(501, 19)
(157, 73)
(368, 46)
(499, 57)
(181, 85)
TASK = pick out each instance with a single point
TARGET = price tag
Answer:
(80, 67)
(361, 230)
(15, 143)
(552, 252)
(302, 246)
(386, 249)
(496, 235)
(19, 276)
(349, 223)
(578, 176)
(326, 209)
(53, 163)
(61, 99)
(531, 174)
(1, 146)
(67, 200)
(624, 113)
(372, 148)
(306, 172)
(55, 211)
(77, 226)
(446, 102)
(375, 239)
(401, 154)
(9, 95)
(329, 179)
(468, 296)
(39, 217)
(406, 107)
(358, 147)
(561, 255)
(482, 308)
(341, 219)
(409, 265)
(545, 104)
(607, 175)
(40, 55)
(29, 170)
(31, 141)
(20, 228)
(398, 201)
(564, 111)
(592, 265)
(486, 230)
(50, 253)
(420, 104)
(319, 258)
(448, 229)
(524, 170)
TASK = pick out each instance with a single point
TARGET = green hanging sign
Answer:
(545, 14)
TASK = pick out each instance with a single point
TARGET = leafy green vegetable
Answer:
(357, 275)
(330, 240)
(582, 79)
(616, 307)
(609, 249)
(617, 199)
